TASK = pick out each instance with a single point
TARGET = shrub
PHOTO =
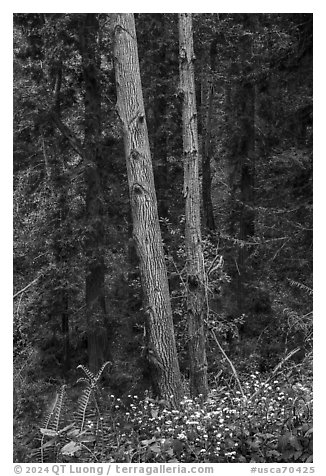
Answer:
(271, 422)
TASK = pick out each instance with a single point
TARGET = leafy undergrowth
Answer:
(270, 422)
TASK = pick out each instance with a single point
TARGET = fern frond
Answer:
(301, 286)
(83, 405)
(50, 428)
(83, 379)
(58, 408)
(48, 417)
(87, 372)
(99, 373)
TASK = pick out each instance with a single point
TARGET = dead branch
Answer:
(229, 362)
(25, 288)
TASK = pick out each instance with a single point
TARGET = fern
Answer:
(83, 412)
(91, 378)
(88, 421)
(87, 372)
(47, 450)
(301, 286)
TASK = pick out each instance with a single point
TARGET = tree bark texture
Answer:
(161, 344)
(97, 332)
(196, 301)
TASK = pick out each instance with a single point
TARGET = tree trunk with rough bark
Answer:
(161, 346)
(97, 335)
(196, 301)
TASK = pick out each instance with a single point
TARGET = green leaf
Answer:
(73, 433)
(155, 448)
(47, 432)
(148, 442)
(66, 428)
(70, 448)
(87, 439)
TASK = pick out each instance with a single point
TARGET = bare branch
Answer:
(229, 362)
(25, 288)
(69, 135)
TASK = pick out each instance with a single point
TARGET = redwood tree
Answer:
(97, 335)
(196, 302)
(161, 346)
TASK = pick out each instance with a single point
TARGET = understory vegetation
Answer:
(268, 420)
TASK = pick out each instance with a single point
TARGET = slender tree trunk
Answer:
(98, 343)
(196, 302)
(162, 352)
(247, 182)
(207, 118)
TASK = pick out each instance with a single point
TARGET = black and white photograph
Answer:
(162, 240)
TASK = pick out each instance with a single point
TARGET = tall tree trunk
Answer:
(97, 335)
(162, 352)
(196, 302)
(207, 118)
(58, 248)
(59, 252)
(246, 104)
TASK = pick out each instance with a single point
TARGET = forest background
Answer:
(232, 348)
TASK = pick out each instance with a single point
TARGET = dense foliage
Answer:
(78, 296)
